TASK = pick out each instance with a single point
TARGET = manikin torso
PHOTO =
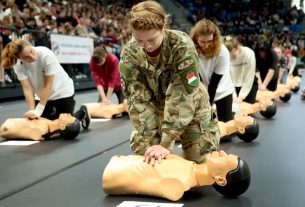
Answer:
(168, 179)
(22, 128)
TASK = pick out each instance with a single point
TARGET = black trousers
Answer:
(251, 97)
(55, 107)
(224, 108)
(272, 85)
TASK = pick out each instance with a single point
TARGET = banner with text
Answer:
(72, 49)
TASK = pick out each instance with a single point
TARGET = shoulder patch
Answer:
(190, 79)
(186, 63)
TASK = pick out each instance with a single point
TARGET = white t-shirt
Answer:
(243, 71)
(46, 64)
(220, 65)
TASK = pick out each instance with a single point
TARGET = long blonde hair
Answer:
(207, 27)
(12, 52)
(147, 15)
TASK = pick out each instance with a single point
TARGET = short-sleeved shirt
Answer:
(220, 64)
(46, 64)
(264, 64)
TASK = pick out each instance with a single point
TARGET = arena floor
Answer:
(62, 173)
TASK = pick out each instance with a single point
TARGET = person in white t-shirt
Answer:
(47, 88)
(214, 63)
(242, 71)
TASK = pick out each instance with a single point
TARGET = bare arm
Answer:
(46, 91)
(268, 77)
(109, 92)
(28, 93)
(101, 91)
(259, 79)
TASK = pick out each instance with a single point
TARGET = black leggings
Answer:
(224, 108)
(55, 107)
(251, 97)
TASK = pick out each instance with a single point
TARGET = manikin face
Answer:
(64, 119)
(220, 163)
(205, 42)
(28, 54)
(150, 40)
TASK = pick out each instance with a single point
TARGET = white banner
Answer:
(72, 49)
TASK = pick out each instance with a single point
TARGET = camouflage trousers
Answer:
(200, 137)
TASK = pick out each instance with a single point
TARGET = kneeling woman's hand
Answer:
(35, 113)
(155, 153)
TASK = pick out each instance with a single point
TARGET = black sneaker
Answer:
(86, 119)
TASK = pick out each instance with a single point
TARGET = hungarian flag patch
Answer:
(191, 79)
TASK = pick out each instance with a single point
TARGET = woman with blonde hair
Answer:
(242, 71)
(47, 88)
(166, 100)
(214, 63)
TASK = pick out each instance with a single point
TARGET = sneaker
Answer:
(86, 119)
(7, 78)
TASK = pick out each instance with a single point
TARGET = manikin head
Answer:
(230, 172)
(147, 21)
(69, 126)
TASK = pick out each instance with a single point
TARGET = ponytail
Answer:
(12, 52)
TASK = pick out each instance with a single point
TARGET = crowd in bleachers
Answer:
(72, 17)
(250, 20)
(253, 21)
(105, 20)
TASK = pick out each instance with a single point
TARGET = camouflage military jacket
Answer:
(161, 97)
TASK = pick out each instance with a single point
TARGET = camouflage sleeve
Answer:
(182, 95)
(142, 111)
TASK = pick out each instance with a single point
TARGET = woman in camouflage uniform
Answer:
(166, 101)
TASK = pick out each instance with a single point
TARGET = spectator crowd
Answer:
(105, 21)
